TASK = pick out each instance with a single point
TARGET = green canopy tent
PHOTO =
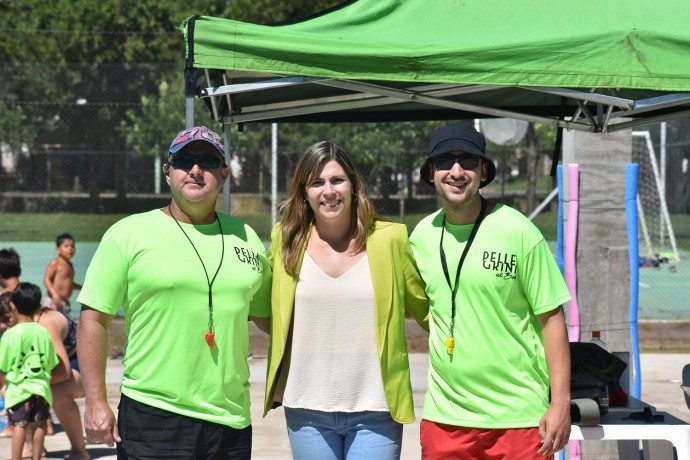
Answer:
(587, 65)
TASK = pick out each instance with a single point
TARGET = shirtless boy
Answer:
(59, 277)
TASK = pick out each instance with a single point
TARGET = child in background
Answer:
(6, 317)
(59, 277)
(6, 322)
(9, 278)
(10, 269)
(27, 357)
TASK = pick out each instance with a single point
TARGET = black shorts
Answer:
(34, 409)
(151, 433)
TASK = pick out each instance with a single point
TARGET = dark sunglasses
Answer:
(446, 162)
(187, 161)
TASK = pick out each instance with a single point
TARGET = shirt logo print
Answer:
(250, 258)
(30, 364)
(505, 265)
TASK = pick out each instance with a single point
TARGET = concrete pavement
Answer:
(661, 377)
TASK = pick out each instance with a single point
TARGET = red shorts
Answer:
(441, 441)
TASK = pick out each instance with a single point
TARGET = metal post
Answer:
(227, 141)
(274, 173)
(157, 172)
(49, 172)
(189, 94)
(662, 172)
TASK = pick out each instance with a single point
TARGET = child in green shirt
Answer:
(27, 358)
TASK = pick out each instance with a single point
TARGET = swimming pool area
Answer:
(663, 292)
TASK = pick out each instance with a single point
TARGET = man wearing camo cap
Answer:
(186, 278)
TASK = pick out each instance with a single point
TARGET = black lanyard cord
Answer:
(450, 341)
(210, 335)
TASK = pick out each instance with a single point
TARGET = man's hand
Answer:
(554, 429)
(100, 424)
(554, 426)
(92, 345)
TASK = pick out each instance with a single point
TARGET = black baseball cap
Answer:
(457, 137)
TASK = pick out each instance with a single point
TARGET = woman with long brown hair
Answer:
(342, 280)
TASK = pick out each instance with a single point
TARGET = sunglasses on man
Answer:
(446, 162)
(187, 161)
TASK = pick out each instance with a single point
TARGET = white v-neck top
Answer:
(334, 365)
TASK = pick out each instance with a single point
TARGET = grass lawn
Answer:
(30, 227)
(90, 227)
(45, 227)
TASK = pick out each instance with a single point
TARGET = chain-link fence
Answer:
(662, 152)
(82, 146)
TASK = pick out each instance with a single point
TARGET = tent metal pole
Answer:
(397, 98)
(584, 96)
(653, 104)
(227, 141)
(646, 121)
(190, 95)
(189, 112)
(258, 86)
(583, 110)
(274, 173)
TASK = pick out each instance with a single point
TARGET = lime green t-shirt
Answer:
(497, 376)
(27, 357)
(146, 266)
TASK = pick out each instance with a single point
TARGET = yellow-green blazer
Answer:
(397, 287)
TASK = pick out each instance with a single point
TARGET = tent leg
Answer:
(190, 95)
(189, 112)
(227, 140)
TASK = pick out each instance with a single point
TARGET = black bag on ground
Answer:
(591, 369)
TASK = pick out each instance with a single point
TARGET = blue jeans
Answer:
(343, 435)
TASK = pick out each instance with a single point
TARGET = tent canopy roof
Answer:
(603, 65)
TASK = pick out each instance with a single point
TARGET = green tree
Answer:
(108, 76)
(161, 112)
(74, 70)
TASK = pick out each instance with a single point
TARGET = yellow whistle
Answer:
(450, 343)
